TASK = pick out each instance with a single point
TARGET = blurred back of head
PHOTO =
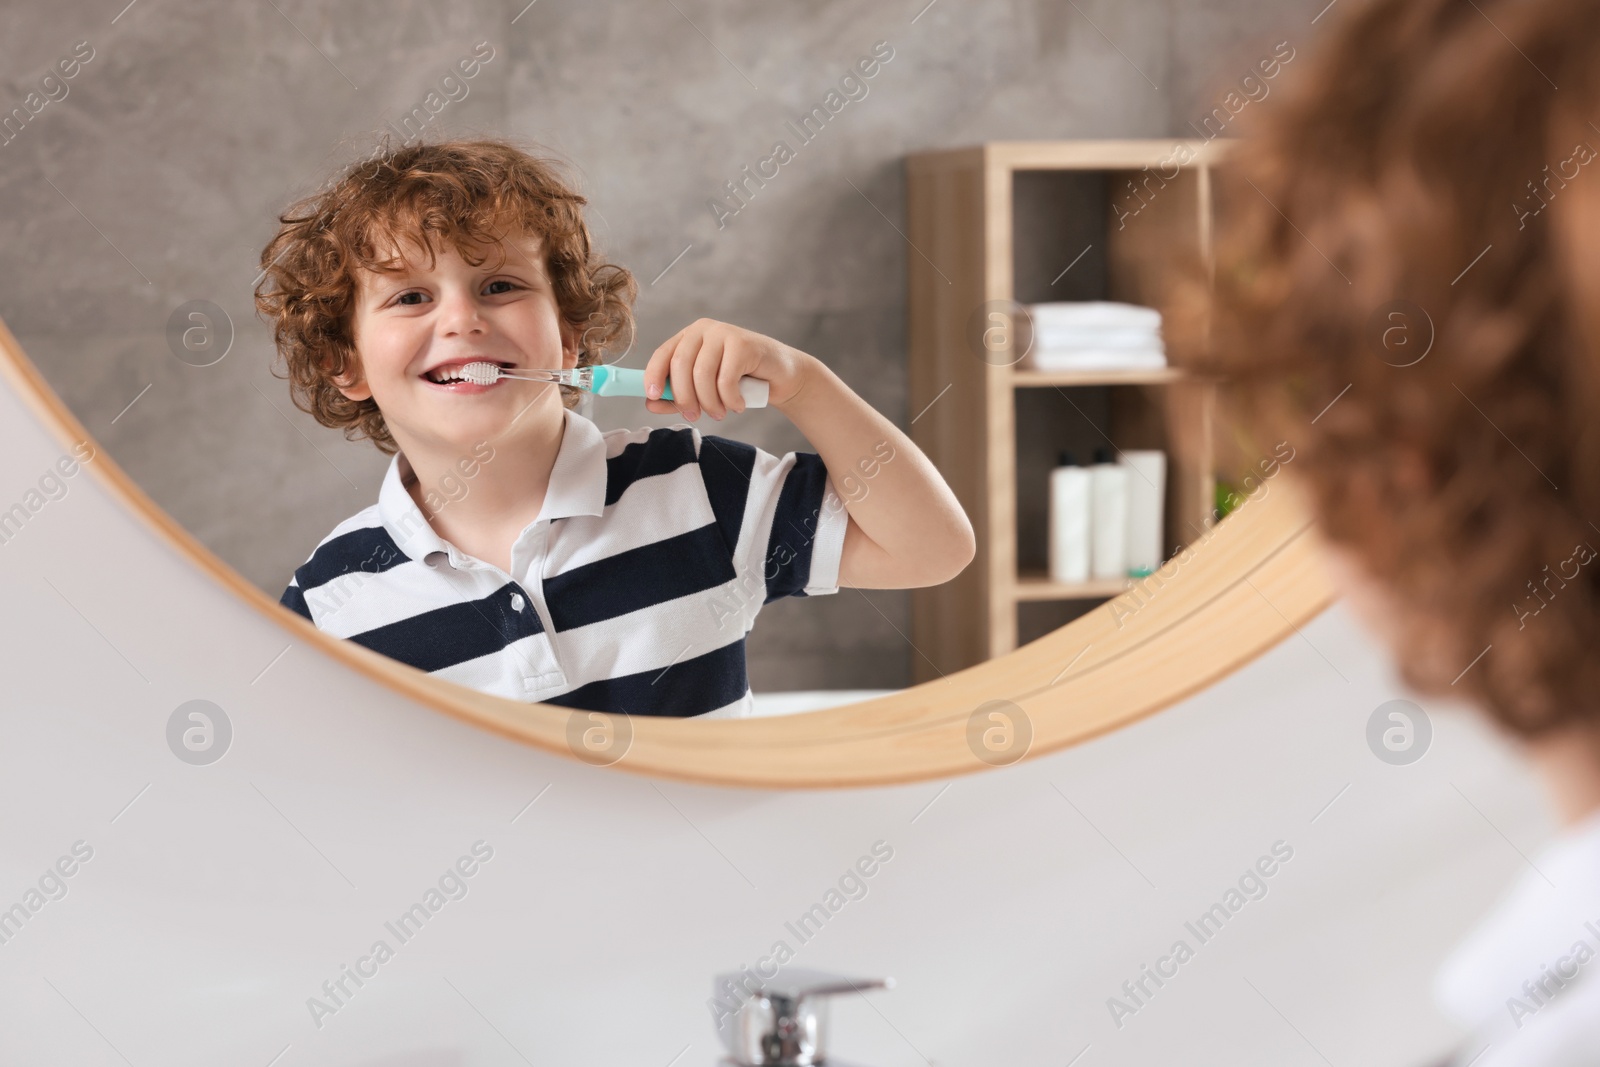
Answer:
(1408, 231)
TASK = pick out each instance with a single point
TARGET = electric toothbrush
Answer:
(602, 380)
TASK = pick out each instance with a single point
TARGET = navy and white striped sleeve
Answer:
(781, 517)
(295, 600)
(338, 569)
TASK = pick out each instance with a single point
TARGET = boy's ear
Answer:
(352, 383)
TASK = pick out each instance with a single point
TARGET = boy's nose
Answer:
(460, 313)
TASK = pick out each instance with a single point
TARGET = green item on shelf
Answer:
(1140, 572)
(1226, 498)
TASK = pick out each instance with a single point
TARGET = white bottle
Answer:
(1147, 490)
(1108, 506)
(1069, 521)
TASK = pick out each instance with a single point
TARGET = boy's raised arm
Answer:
(906, 527)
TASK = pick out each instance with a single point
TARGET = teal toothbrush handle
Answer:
(625, 381)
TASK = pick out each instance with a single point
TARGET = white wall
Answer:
(1016, 902)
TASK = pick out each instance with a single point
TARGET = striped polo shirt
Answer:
(632, 591)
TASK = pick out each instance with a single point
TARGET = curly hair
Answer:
(1402, 289)
(467, 192)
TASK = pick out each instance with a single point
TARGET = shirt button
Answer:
(516, 602)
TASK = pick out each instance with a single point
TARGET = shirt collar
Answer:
(577, 487)
(1547, 911)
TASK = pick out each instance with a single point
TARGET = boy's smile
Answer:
(446, 376)
(414, 329)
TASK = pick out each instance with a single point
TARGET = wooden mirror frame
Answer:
(1253, 581)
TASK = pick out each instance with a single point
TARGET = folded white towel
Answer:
(1093, 359)
(1093, 314)
(1068, 340)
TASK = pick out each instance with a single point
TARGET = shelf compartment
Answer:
(1038, 585)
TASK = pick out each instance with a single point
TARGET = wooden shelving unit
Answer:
(1004, 224)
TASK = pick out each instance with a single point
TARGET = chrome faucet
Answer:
(782, 1021)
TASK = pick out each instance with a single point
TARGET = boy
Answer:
(515, 548)
(1406, 290)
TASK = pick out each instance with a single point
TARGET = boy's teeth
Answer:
(454, 373)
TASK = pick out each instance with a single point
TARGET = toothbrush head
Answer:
(481, 373)
(484, 373)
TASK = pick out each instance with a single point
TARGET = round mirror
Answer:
(953, 336)
(1243, 585)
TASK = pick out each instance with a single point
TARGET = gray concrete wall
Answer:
(155, 180)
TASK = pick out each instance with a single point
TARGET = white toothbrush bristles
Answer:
(480, 373)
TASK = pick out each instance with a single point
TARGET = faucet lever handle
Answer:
(782, 1021)
(827, 987)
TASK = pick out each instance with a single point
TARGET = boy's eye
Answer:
(401, 299)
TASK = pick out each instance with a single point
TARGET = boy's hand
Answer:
(704, 361)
